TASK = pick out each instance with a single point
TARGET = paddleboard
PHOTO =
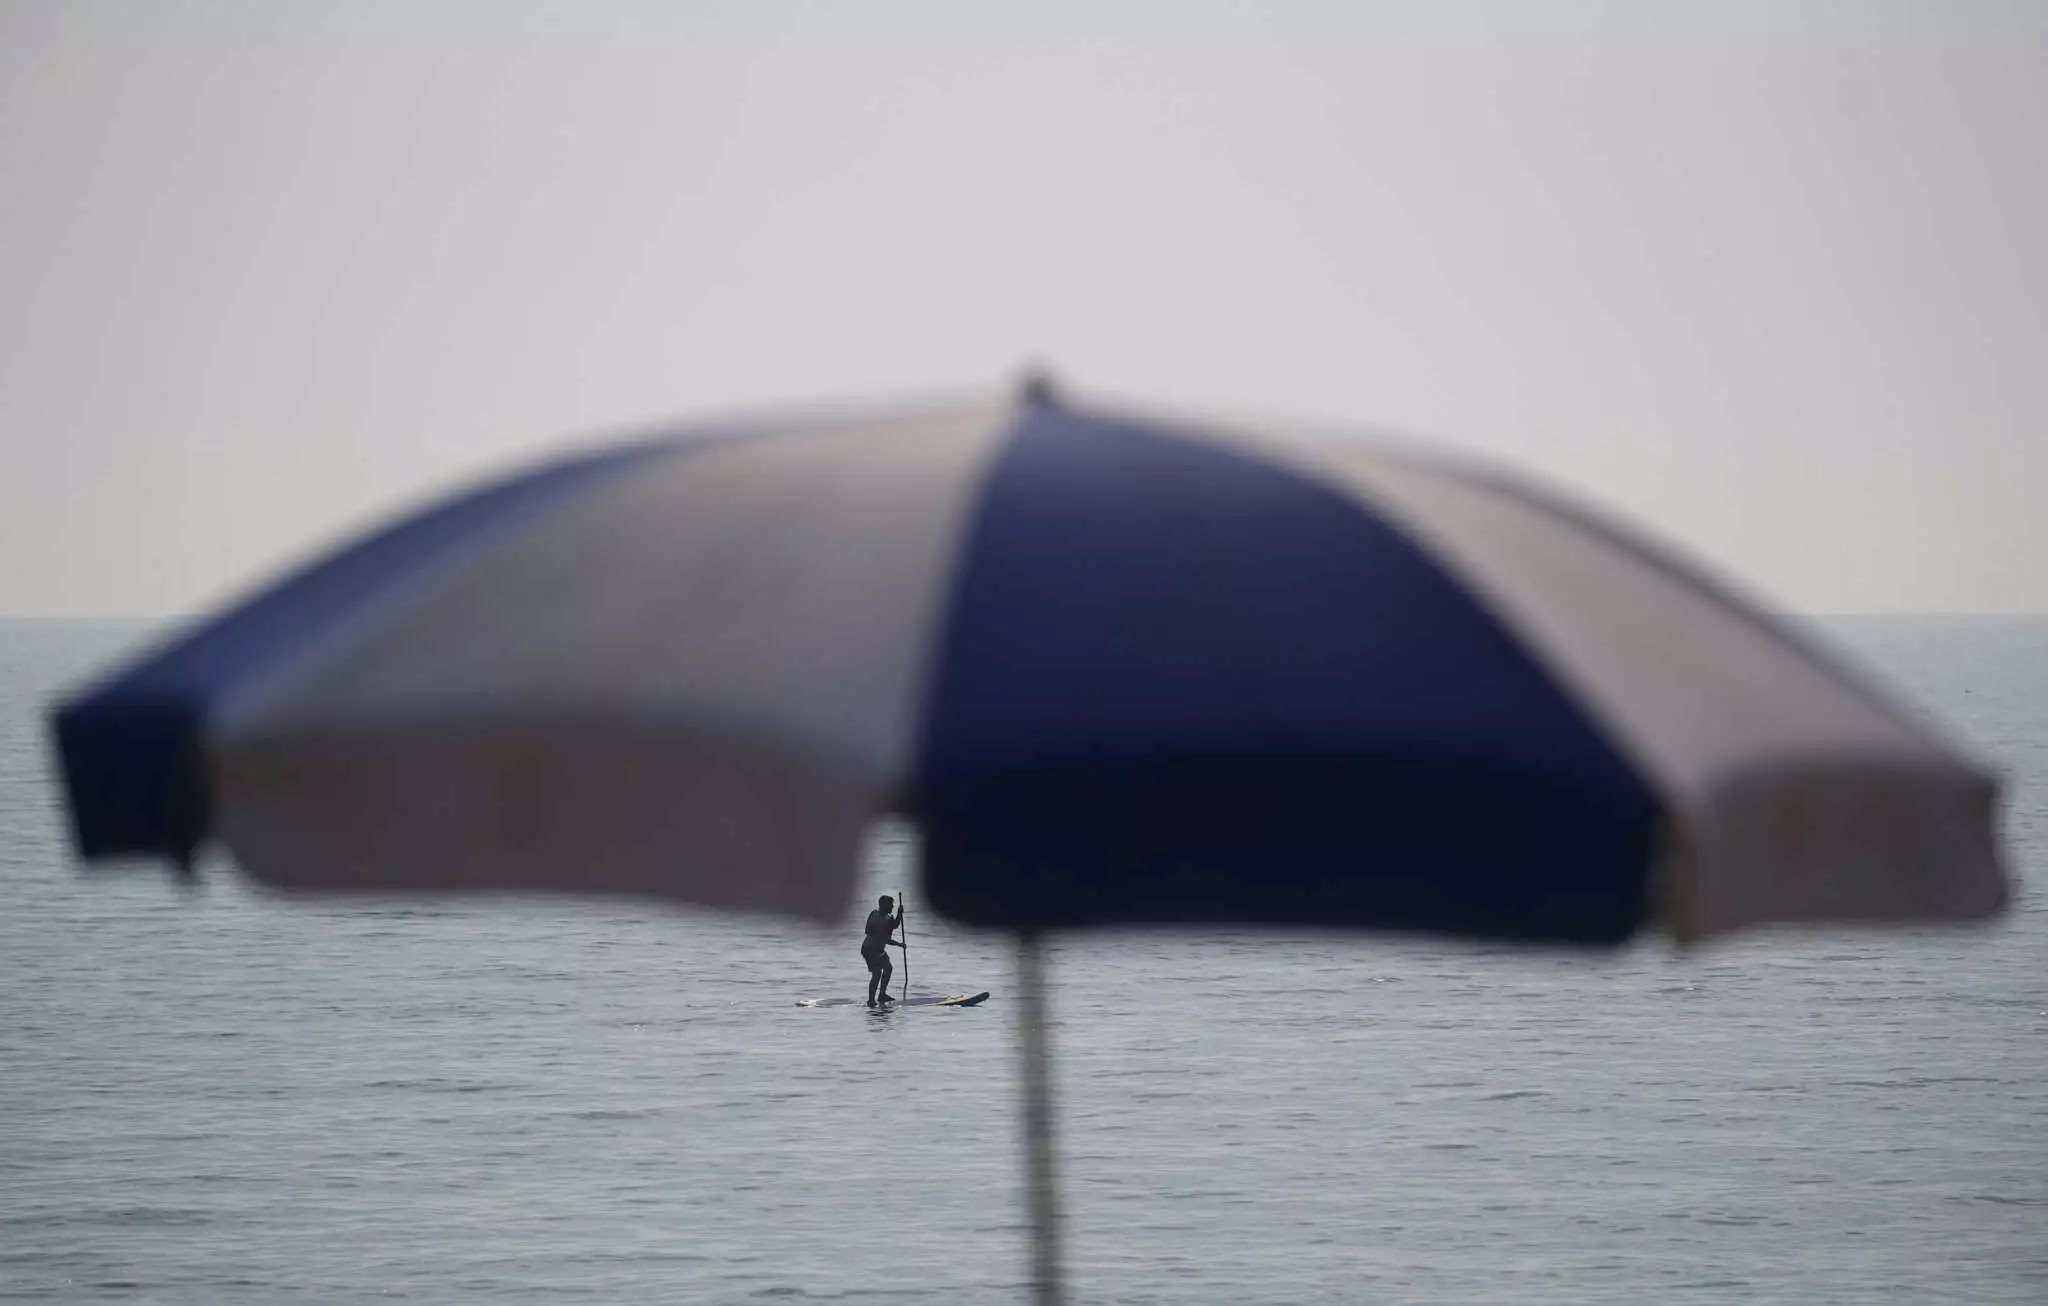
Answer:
(950, 1000)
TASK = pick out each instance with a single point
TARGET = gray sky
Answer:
(1767, 275)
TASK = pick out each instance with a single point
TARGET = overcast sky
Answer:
(1767, 275)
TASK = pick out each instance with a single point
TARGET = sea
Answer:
(209, 1095)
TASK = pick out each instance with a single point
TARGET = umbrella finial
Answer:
(1035, 386)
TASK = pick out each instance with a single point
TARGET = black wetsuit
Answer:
(874, 950)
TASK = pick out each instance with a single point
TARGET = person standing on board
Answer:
(874, 949)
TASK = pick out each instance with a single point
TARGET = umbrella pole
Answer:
(1045, 1216)
(901, 908)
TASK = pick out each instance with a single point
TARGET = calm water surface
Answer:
(218, 1097)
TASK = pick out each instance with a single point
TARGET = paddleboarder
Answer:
(874, 949)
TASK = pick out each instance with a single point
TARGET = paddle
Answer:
(903, 930)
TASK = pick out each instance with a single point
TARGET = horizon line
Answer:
(1821, 613)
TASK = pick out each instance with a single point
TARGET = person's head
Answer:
(887, 902)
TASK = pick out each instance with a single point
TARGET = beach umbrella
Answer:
(1122, 668)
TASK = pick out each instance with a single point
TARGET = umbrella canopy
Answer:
(1121, 668)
